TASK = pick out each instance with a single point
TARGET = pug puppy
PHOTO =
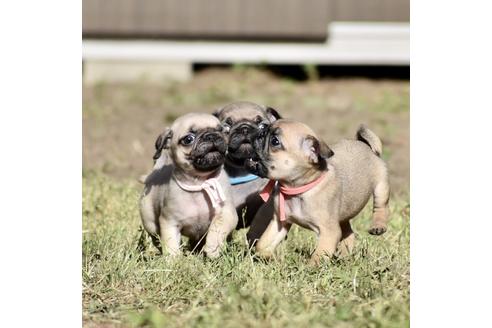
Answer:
(244, 120)
(319, 187)
(188, 191)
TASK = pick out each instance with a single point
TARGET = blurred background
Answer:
(332, 64)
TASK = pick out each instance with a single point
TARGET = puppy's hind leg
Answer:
(150, 221)
(380, 211)
(348, 239)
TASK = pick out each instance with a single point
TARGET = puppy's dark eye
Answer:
(262, 126)
(188, 139)
(274, 141)
(229, 121)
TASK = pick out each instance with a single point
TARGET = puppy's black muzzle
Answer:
(209, 152)
(210, 141)
(241, 138)
(241, 134)
(255, 163)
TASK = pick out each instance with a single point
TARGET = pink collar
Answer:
(211, 186)
(289, 191)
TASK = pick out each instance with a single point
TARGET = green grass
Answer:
(124, 285)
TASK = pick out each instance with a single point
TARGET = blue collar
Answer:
(243, 179)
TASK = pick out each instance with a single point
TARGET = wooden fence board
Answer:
(232, 19)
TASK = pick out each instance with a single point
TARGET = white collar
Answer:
(212, 188)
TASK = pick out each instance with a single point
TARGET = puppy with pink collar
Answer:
(318, 187)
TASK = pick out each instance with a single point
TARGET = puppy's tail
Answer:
(370, 138)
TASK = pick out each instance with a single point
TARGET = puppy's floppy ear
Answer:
(272, 114)
(163, 142)
(317, 151)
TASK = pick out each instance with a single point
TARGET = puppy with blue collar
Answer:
(243, 120)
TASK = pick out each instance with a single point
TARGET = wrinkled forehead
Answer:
(291, 132)
(194, 123)
(243, 110)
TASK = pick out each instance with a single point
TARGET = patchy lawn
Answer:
(125, 281)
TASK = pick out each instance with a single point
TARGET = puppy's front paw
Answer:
(212, 253)
(265, 254)
(314, 261)
(377, 230)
